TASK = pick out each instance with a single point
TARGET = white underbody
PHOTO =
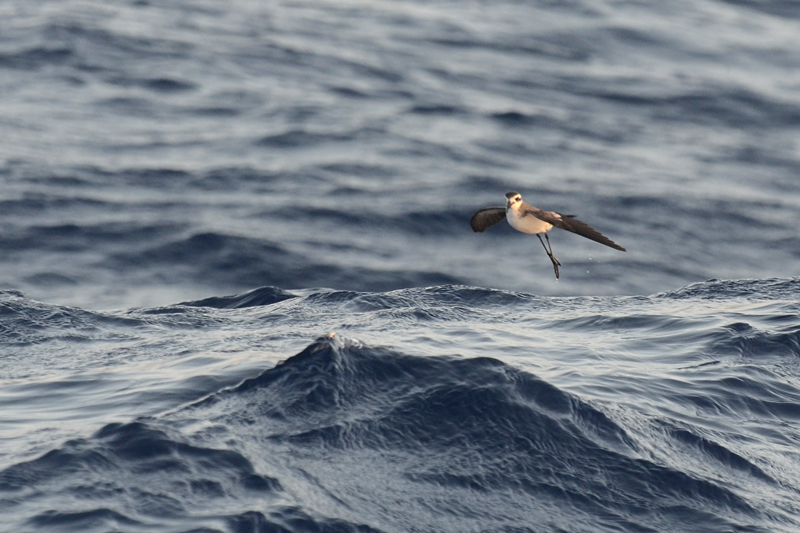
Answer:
(526, 223)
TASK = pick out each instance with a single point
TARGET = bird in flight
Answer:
(528, 219)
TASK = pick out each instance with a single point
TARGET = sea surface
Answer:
(239, 291)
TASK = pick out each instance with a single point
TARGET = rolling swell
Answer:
(672, 412)
(467, 427)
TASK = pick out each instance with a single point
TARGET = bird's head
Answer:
(514, 200)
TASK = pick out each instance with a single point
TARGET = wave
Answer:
(458, 428)
(475, 425)
(254, 298)
(350, 436)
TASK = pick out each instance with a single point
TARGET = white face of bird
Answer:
(514, 200)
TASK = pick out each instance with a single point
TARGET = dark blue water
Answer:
(239, 290)
(459, 409)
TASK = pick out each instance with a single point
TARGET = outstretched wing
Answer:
(570, 223)
(487, 217)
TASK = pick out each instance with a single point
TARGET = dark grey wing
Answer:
(570, 223)
(487, 217)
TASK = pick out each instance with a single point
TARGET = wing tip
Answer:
(472, 224)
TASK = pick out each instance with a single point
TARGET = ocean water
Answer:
(239, 291)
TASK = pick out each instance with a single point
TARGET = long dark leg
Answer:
(549, 252)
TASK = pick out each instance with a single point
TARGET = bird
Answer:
(528, 219)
